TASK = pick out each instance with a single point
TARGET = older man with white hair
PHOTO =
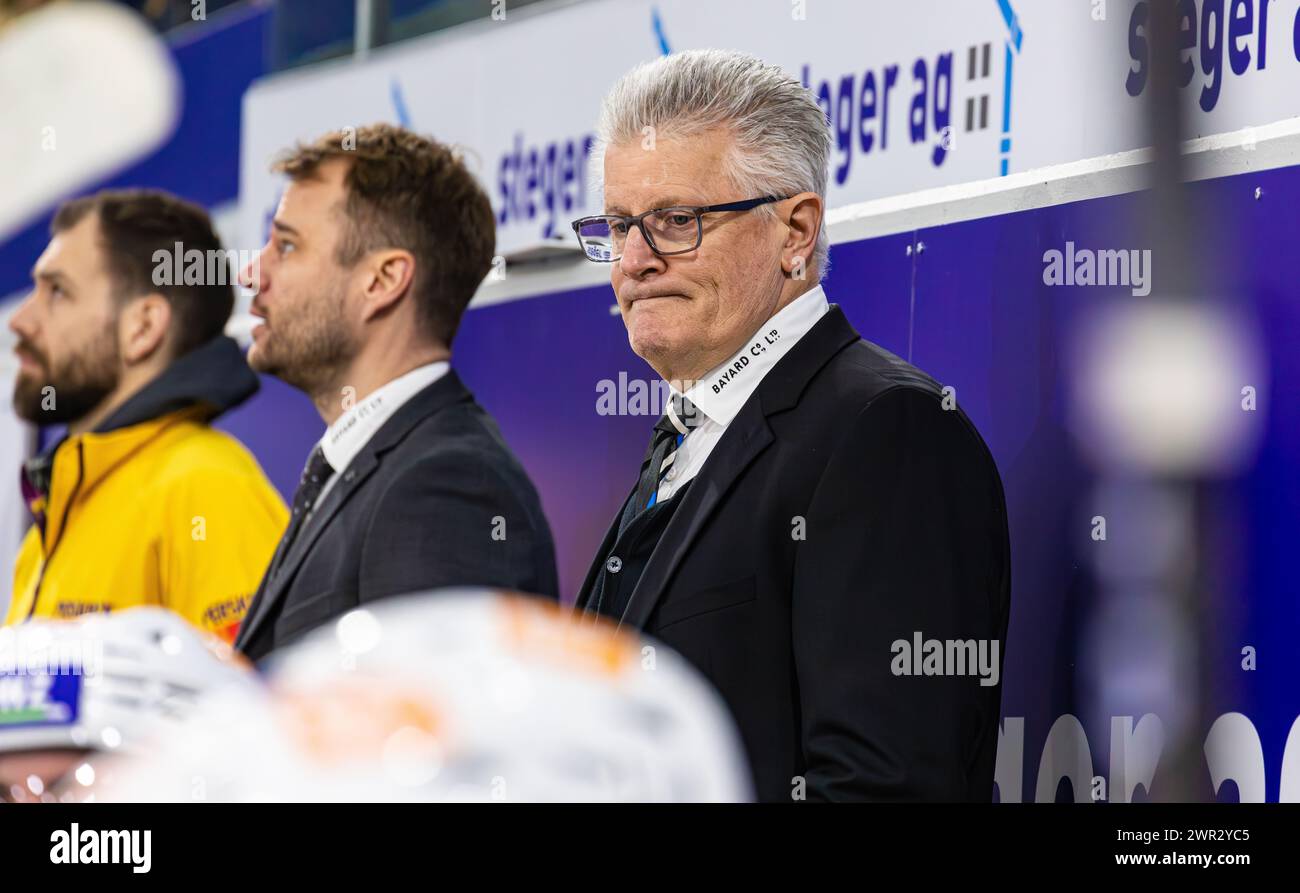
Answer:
(812, 526)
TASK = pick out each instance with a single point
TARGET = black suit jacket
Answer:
(843, 509)
(434, 499)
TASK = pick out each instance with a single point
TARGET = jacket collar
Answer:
(350, 432)
(214, 377)
(723, 390)
(784, 385)
(444, 392)
(202, 384)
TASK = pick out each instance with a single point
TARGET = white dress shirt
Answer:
(353, 430)
(721, 392)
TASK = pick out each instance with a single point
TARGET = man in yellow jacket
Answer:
(142, 502)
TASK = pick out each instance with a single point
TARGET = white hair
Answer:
(781, 139)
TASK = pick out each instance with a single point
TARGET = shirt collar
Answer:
(721, 392)
(353, 430)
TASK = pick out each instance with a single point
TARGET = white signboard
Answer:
(919, 94)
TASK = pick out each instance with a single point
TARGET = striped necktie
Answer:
(681, 418)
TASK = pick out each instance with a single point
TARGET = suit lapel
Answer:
(275, 585)
(445, 391)
(745, 438)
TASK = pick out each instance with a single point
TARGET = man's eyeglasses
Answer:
(668, 231)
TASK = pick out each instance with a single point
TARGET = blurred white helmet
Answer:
(106, 682)
(461, 695)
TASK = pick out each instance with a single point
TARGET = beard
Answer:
(308, 347)
(61, 395)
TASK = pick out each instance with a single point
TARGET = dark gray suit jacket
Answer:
(843, 510)
(434, 499)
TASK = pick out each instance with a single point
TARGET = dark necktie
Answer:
(681, 418)
(314, 477)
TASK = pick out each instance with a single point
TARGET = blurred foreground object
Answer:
(1162, 405)
(1159, 385)
(86, 88)
(461, 695)
(103, 684)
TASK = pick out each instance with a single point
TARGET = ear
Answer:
(388, 277)
(142, 328)
(804, 222)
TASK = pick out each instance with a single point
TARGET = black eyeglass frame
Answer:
(637, 220)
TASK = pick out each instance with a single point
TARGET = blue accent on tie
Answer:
(655, 495)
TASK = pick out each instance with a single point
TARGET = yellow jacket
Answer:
(162, 510)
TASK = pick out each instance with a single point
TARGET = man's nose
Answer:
(638, 257)
(21, 321)
(253, 275)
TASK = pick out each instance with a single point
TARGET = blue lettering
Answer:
(546, 181)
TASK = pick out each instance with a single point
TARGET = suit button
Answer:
(614, 565)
